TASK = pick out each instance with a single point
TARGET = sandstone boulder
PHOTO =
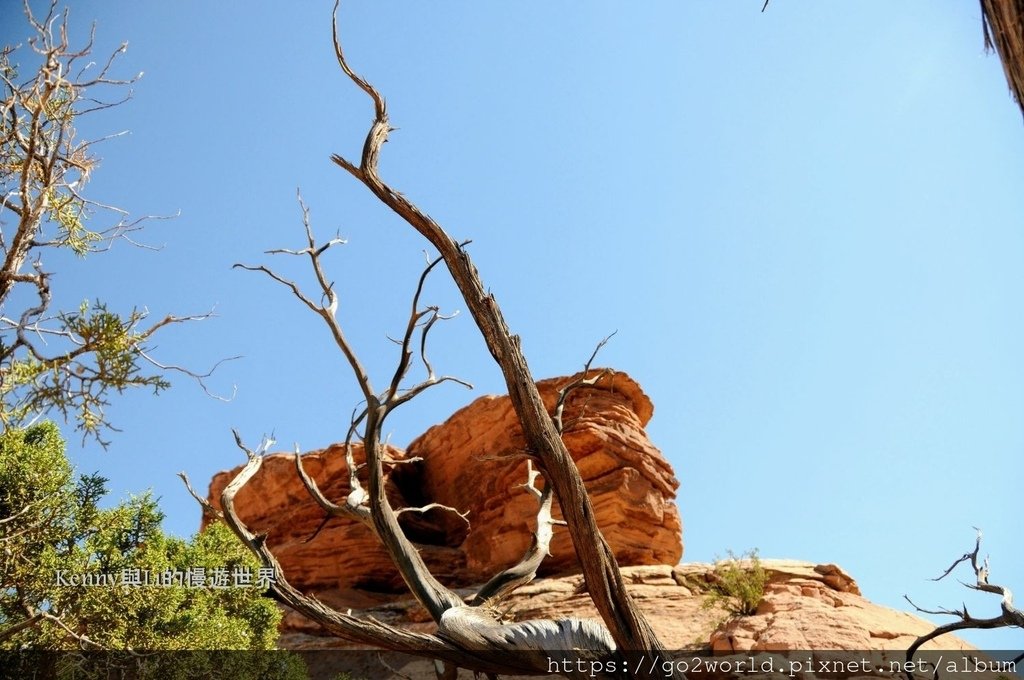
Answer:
(470, 462)
(343, 555)
(473, 461)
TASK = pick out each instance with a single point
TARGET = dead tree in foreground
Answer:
(468, 635)
(1010, 616)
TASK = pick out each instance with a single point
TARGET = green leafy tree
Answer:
(65, 362)
(54, 536)
(739, 584)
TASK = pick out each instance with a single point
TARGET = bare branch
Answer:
(328, 312)
(502, 584)
(580, 381)
(414, 391)
(352, 510)
(1010, 616)
(430, 593)
(200, 378)
(627, 624)
(971, 557)
(415, 315)
(291, 285)
(206, 505)
(369, 631)
(468, 636)
(464, 516)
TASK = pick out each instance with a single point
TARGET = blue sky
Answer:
(805, 225)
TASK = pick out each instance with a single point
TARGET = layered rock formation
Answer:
(472, 462)
(805, 607)
(344, 554)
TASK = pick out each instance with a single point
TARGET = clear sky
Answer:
(805, 225)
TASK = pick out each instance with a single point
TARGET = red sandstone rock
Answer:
(470, 463)
(345, 554)
(806, 607)
(473, 462)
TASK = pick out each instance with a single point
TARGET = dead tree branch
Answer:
(627, 624)
(504, 583)
(1010, 616)
(1003, 27)
(468, 635)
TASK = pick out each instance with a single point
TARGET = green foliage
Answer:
(54, 361)
(109, 358)
(738, 585)
(54, 532)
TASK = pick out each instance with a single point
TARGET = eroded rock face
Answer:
(471, 462)
(344, 554)
(805, 607)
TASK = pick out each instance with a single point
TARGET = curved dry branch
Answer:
(327, 311)
(627, 624)
(422, 319)
(581, 380)
(427, 590)
(415, 317)
(1010, 616)
(464, 516)
(354, 511)
(365, 631)
(504, 583)
(468, 636)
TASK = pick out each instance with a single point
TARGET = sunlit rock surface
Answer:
(472, 462)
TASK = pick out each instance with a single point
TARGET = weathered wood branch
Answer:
(625, 621)
(1010, 616)
(467, 637)
(1003, 26)
(471, 636)
(470, 628)
(366, 631)
(504, 583)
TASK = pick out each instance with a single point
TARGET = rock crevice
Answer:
(474, 462)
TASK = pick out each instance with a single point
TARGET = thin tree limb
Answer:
(1010, 616)
(627, 624)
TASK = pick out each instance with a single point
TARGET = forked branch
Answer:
(471, 636)
(584, 379)
(627, 624)
(504, 583)
(366, 631)
(1010, 616)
